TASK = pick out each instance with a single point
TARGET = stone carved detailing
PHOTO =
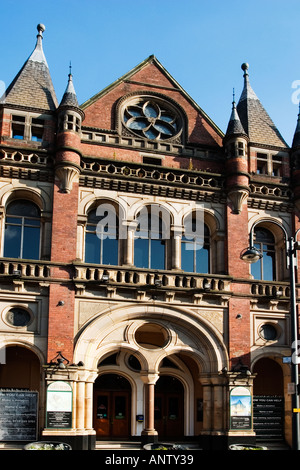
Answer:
(238, 197)
(155, 174)
(273, 191)
(67, 175)
(19, 157)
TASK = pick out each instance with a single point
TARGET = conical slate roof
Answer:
(234, 126)
(255, 120)
(32, 87)
(69, 98)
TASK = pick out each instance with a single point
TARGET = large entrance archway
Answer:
(168, 407)
(112, 401)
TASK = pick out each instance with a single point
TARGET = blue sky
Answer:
(201, 43)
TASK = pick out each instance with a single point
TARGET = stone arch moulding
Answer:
(7, 343)
(38, 196)
(95, 338)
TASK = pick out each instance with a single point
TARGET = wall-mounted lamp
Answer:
(58, 362)
(60, 303)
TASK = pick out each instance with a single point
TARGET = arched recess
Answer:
(21, 370)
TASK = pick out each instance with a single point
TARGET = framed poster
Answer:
(240, 408)
(59, 405)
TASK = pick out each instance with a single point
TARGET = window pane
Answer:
(187, 257)
(92, 248)
(202, 260)
(23, 208)
(157, 254)
(141, 253)
(12, 241)
(268, 264)
(120, 407)
(256, 270)
(110, 251)
(31, 243)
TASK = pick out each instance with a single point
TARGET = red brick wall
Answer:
(239, 304)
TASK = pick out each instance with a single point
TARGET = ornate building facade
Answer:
(122, 225)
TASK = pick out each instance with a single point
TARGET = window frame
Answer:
(265, 246)
(100, 239)
(205, 244)
(22, 224)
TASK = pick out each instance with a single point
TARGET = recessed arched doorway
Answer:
(112, 403)
(169, 407)
(21, 369)
(268, 400)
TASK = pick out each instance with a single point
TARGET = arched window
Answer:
(22, 230)
(101, 236)
(195, 251)
(264, 269)
(150, 239)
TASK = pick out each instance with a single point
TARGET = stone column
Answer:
(218, 422)
(80, 405)
(149, 434)
(207, 404)
(176, 232)
(89, 405)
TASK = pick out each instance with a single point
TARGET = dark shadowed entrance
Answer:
(112, 398)
(168, 407)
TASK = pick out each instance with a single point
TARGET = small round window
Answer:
(151, 336)
(18, 317)
(268, 332)
(154, 120)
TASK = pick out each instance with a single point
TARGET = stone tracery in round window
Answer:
(151, 119)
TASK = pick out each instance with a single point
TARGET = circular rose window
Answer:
(151, 119)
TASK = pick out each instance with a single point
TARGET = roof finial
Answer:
(245, 67)
(233, 96)
(70, 68)
(41, 28)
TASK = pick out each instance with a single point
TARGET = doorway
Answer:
(112, 398)
(168, 407)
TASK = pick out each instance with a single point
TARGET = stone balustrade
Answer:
(24, 268)
(143, 277)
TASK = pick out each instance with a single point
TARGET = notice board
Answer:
(18, 415)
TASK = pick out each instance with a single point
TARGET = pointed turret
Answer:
(69, 98)
(33, 87)
(70, 117)
(235, 142)
(254, 118)
(235, 126)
